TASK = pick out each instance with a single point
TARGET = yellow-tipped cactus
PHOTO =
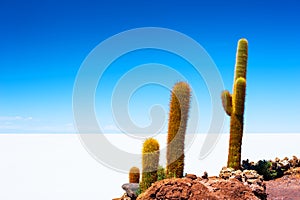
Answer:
(178, 116)
(134, 175)
(234, 105)
(150, 161)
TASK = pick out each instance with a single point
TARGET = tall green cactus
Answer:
(134, 175)
(178, 116)
(234, 105)
(150, 161)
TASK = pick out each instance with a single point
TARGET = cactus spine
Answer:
(150, 161)
(134, 175)
(178, 116)
(234, 105)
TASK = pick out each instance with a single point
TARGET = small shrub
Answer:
(264, 168)
(246, 165)
(161, 173)
(139, 191)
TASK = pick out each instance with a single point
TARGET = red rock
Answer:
(191, 176)
(197, 189)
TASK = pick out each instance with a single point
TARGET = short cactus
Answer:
(134, 175)
(150, 161)
(234, 105)
(178, 116)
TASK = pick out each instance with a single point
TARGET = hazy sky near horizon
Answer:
(43, 44)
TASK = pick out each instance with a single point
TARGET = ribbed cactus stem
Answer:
(236, 125)
(134, 175)
(178, 116)
(241, 59)
(150, 161)
(234, 105)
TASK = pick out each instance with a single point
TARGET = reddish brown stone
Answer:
(191, 176)
(197, 189)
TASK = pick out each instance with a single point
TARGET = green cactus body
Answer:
(178, 116)
(134, 175)
(150, 161)
(234, 105)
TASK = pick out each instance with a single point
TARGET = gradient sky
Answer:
(43, 44)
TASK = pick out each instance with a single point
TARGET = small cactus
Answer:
(178, 116)
(150, 161)
(234, 106)
(134, 175)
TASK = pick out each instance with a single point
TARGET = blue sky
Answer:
(43, 44)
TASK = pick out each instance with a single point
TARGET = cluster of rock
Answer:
(231, 184)
(283, 166)
(288, 166)
(293, 171)
(192, 187)
(249, 178)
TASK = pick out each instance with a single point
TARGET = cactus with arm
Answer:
(234, 105)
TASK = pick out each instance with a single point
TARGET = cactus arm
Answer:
(239, 96)
(227, 102)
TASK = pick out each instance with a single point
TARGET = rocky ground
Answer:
(230, 184)
(284, 188)
(195, 188)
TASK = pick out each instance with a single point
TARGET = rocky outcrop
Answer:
(293, 171)
(230, 184)
(279, 167)
(131, 189)
(193, 188)
(294, 162)
(249, 178)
